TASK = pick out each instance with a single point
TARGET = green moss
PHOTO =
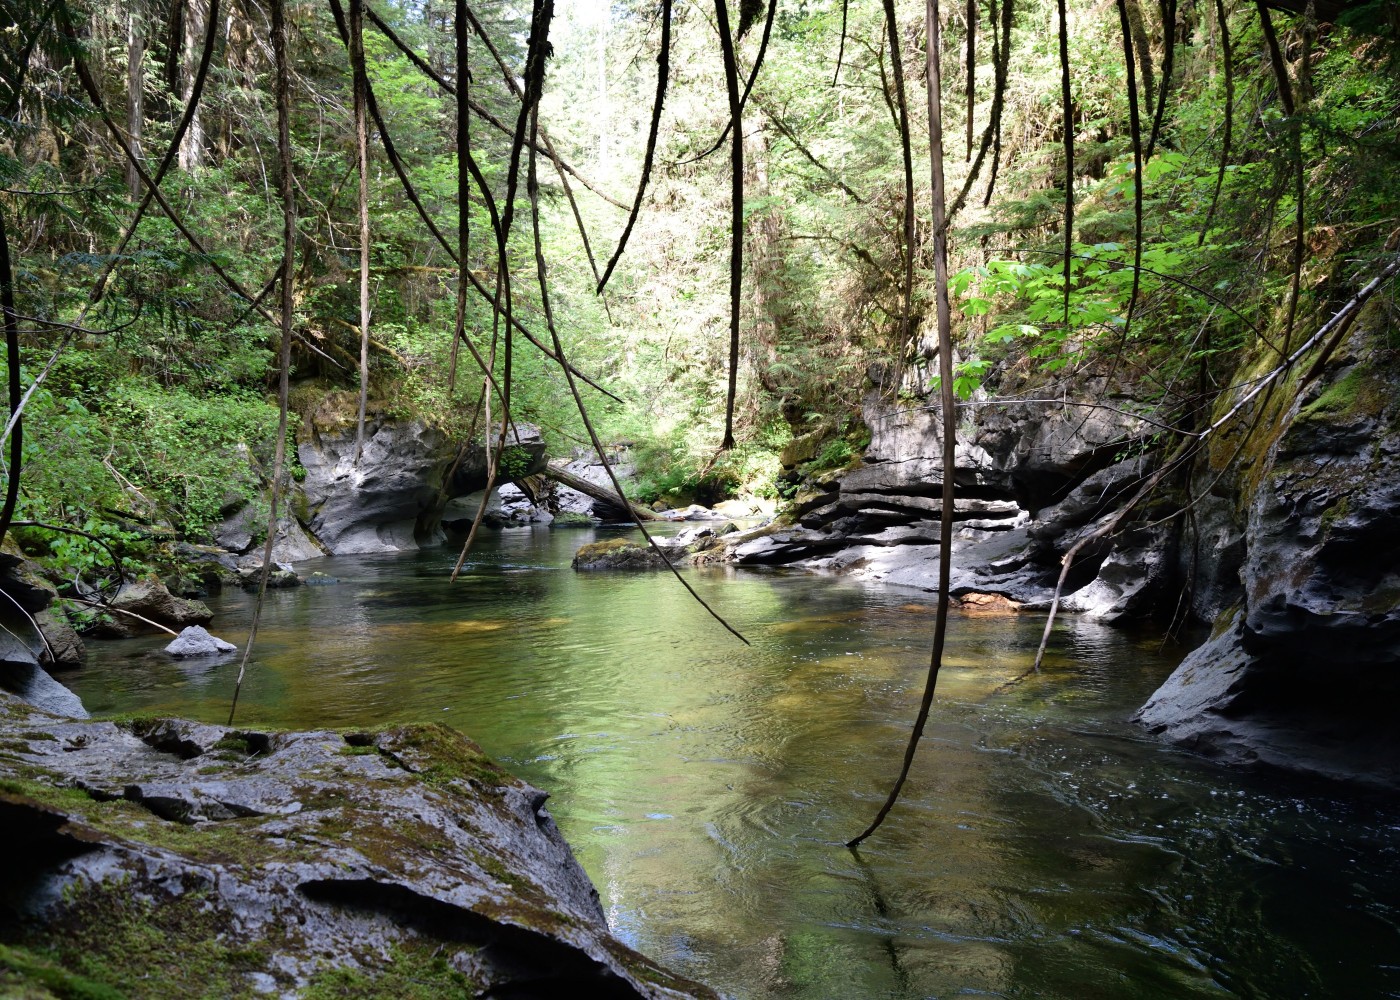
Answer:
(569, 519)
(233, 841)
(1357, 393)
(594, 550)
(441, 755)
(24, 974)
(412, 972)
(121, 944)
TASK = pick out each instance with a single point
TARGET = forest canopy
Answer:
(1144, 194)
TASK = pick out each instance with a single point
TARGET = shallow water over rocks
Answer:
(1045, 847)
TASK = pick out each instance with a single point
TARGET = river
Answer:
(1044, 847)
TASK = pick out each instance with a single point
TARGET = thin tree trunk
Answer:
(289, 235)
(736, 241)
(357, 65)
(135, 110)
(461, 33)
(934, 79)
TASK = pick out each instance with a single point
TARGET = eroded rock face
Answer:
(393, 498)
(1302, 669)
(270, 863)
(566, 501)
(1029, 480)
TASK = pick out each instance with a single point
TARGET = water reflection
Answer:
(1044, 848)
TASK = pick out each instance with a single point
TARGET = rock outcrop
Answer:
(1301, 670)
(1029, 480)
(570, 502)
(143, 607)
(175, 859)
(616, 554)
(394, 497)
(1282, 536)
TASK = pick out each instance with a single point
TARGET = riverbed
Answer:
(1044, 847)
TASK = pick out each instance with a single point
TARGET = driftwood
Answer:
(573, 482)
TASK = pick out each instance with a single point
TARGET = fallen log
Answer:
(600, 493)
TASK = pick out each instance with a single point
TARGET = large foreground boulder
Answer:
(171, 859)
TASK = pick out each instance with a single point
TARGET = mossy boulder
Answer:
(161, 858)
(617, 554)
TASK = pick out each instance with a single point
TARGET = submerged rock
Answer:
(196, 641)
(175, 859)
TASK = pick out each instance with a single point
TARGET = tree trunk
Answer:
(135, 109)
(597, 492)
(765, 267)
(192, 146)
(357, 61)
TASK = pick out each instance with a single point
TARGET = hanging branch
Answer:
(1067, 109)
(549, 147)
(11, 323)
(971, 17)
(934, 80)
(536, 54)
(993, 129)
(736, 225)
(663, 70)
(787, 133)
(902, 113)
(1168, 9)
(748, 85)
(1285, 96)
(360, 84)
(1227, 57)
(66, 530)
(480, 111)
(95, 96)
(464, 77)
(1003, 69)
(532, 188)
(400, 171)
(841, 49)
(1135, 127)
(22, 68)
(1332, 331)
(289, 235)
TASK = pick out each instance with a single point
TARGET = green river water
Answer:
(1044, 847)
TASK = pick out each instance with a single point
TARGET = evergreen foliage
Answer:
(156, 408)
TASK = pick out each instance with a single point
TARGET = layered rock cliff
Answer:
(1281, 536)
